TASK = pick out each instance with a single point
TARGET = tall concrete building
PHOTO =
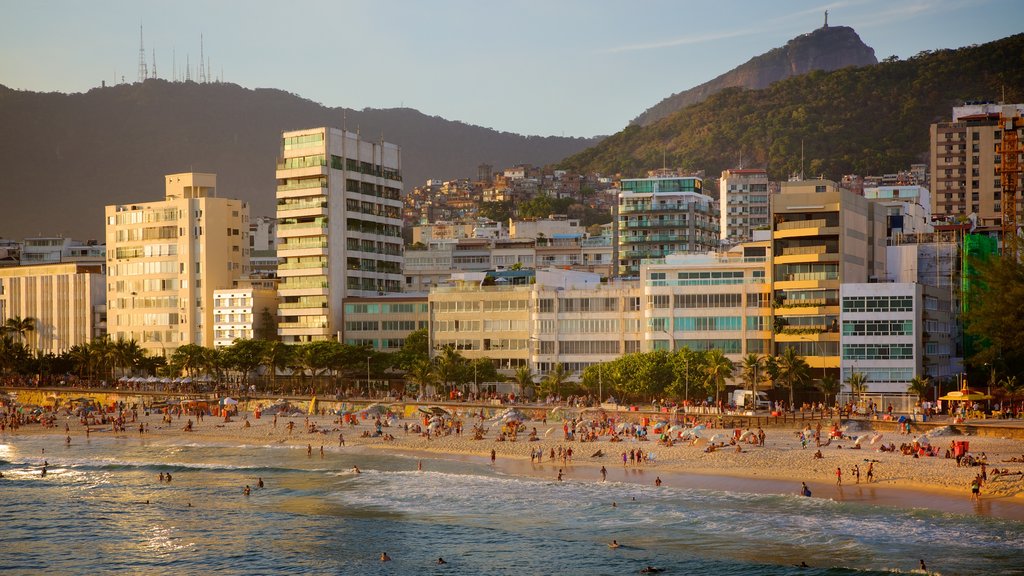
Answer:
(663, 215)
(743, 200)
(964, 160)
(166, 258)
(339, 214)
(66, 301)
(822, 236)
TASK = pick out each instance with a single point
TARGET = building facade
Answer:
(964, 158)
(662, 215)
(165, 259)
(339, 214)
(243, 313)
(384, 322)
(743, 201)
(822, 236)
(67, 302)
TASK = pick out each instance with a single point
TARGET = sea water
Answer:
(101, 509)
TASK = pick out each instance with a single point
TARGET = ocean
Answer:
(101, 509)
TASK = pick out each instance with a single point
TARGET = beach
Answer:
(778, 467)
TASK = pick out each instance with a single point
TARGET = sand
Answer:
(778, 467)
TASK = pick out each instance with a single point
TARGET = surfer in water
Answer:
(614, 544)
(804, 490)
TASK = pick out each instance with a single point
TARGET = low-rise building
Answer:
(244, 313)
(383, 322)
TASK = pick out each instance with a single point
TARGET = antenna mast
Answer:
(202, 61)
(154, 63)
(143, 70)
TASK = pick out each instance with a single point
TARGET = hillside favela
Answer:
(521, 289)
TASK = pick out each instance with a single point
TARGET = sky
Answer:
(537, 67)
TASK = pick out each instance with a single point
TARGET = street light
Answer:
(368, 376)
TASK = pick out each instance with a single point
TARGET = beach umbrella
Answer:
(860, 439)
(923, 440)
(549, 431)
(229, 401)
(716, 438)
(965, 395)
(876, 438)
(375, 409)
(746, 434)
(675, 428)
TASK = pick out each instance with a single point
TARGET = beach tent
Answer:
(228, 401)
(376, 410)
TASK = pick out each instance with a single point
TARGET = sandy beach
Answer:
(777, 467)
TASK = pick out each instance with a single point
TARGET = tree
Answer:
(415, 348)
(190, 358)
(13, 355)
(276, 356)
(523, 379)
(555, 379)
(793, 370)
(858, 382)
(421, 373)
(717, 369)
(994, 313)
(20, 327)
(919, 386)
(1013, 387)
(126, 354)
(246, 356)
(450, 365)
(829, 386)
(688, 370)
(753, 372)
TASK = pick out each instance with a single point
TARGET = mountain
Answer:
(64, 156)
(868, 120)
(827, 48)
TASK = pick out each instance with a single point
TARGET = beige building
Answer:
(964, 160)
(245, 313)
(165, 259)
(822, 236)
(66, 301)
(743, 199)
(383, 322)
(339, 215)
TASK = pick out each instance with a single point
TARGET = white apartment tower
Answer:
(743, 199)
(165, 259)
(339, 227)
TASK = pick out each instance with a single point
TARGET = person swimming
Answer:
(614, 544)
(651, 570)
(356, 470)
(441, 560)
(384, 557)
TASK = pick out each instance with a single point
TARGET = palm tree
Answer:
(1013, 388)
(21, 327)
(276, 356)
(752, 372)
(829, 386)
(858, 382)
(83, 359)
(12, 354)
(919, 386)
(450, 365)
(717, 369)
(190, 358)
(793, 370)
(523, 379)
(421, 373)
(554, 379)
(126, 354)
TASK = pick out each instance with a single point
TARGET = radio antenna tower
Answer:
(202, 61)
(143, 70)
(154, 63)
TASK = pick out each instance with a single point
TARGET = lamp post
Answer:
(368, 376)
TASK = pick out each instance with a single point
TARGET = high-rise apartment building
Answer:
(964, 158)
(822, 236)
(662, 215)
(166, 258)
(65, 300)
(743, 200)
(339, 214)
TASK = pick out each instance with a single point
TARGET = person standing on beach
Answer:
(559, 474)
(839, 476)
(494, 455)
(341, 439)
(604, 473)
(856, 474)
(871, 472)
(309, 450)
(975, 487)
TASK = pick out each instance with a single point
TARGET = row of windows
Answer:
(506, 344)
(505, 305)
(707, 323)
(589, 326)
(404, 308)
(232, 318)
(707, 300)
(505, 325)
(590, 347)
(456, 306)
(408, 325)
(878, 327)
(881, 374)
(878, 351)
(457, 325)
(878, 304)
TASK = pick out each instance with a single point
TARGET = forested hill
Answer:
(64, 156)
(868, 120)
(827, 48)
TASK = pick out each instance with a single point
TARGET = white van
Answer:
(742, 399)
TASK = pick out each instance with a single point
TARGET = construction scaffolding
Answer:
(1009, 171)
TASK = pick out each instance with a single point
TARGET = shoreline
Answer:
(778, 468)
